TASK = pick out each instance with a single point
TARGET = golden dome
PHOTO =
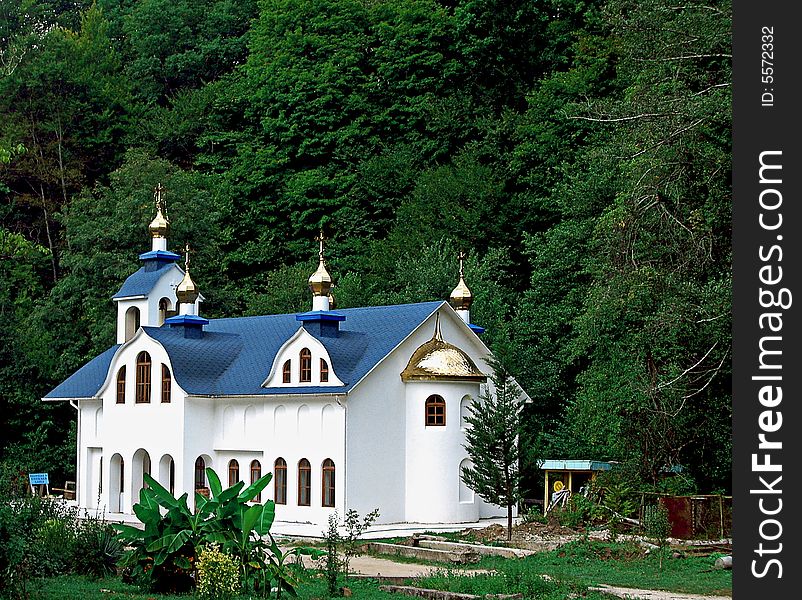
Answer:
(462, 297)
(160, 225)
(320, 281)
(439, 360)
(332, 301)
(187, 291)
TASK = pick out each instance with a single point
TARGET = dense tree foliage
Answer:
(579, 150)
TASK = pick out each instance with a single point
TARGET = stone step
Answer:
(437, 544)
(451, 556)
(441, 595)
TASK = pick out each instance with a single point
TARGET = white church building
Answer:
(357, 408)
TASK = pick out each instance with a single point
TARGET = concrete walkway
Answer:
(635, 594)
(308, 530)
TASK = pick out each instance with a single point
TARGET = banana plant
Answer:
(164, 552)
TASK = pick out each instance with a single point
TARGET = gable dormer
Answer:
(302, 361)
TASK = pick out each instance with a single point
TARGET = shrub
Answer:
(333, 562)
(534, 515)
(657, 526)
(218, 574)
(37, 539)
(97, 549)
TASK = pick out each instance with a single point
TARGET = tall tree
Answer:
(491, 439)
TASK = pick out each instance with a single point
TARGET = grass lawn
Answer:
(571, 569)
(583, 564)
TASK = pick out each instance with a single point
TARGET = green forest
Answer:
(577, 150)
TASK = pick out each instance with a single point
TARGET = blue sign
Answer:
(38, 479)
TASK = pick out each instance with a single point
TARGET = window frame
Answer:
(233, 472)
(143, 378)
(167, 384)
(280, 481)
(121, 374)
(304, 482)
(256, 474)
(200, 470)
(324, 371)
(286, 371)
(305, 366)
(328, 488)
(432, 416)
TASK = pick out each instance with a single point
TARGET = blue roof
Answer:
(143, 281)
(234, 356)
(86, 381)
(575, 465)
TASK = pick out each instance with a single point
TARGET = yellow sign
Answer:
(558, 486)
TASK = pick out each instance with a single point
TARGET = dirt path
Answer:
(652, 594)
(382, 567)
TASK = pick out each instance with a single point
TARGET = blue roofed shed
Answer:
(572, 475)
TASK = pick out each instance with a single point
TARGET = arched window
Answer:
(233, 472)
(465, 411)
(435, 411)
(304, 483)
(280, 473)
(256, 473)
(328, 483)
(286, 373)
(324, 371)
(306, 366)
(121, 385)
(131, 322)
(200, 473)
(167, 381)
(143, 378)
(164, 309)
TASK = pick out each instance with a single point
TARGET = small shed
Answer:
(572, 475)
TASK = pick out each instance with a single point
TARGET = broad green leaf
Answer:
(146, 514)
(230, 493)
(265, 521)
(164, 497)
(128, 532)
(249, 520)
(171, 542)
(214, 482)
(253, 490)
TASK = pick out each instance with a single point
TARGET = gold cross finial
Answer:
(320, 239)
(161, 205)
(186, 257)
(461, 257)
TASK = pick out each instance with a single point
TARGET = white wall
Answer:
(155, 427)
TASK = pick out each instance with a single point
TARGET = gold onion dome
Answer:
(461, 297)
(160, 225)
(320, 281)
(439, 360)
(187, 291)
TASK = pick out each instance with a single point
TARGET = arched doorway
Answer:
(139, 466)
(116, 483)
(167, 473)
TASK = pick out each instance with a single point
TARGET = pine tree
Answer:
(492, 443)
